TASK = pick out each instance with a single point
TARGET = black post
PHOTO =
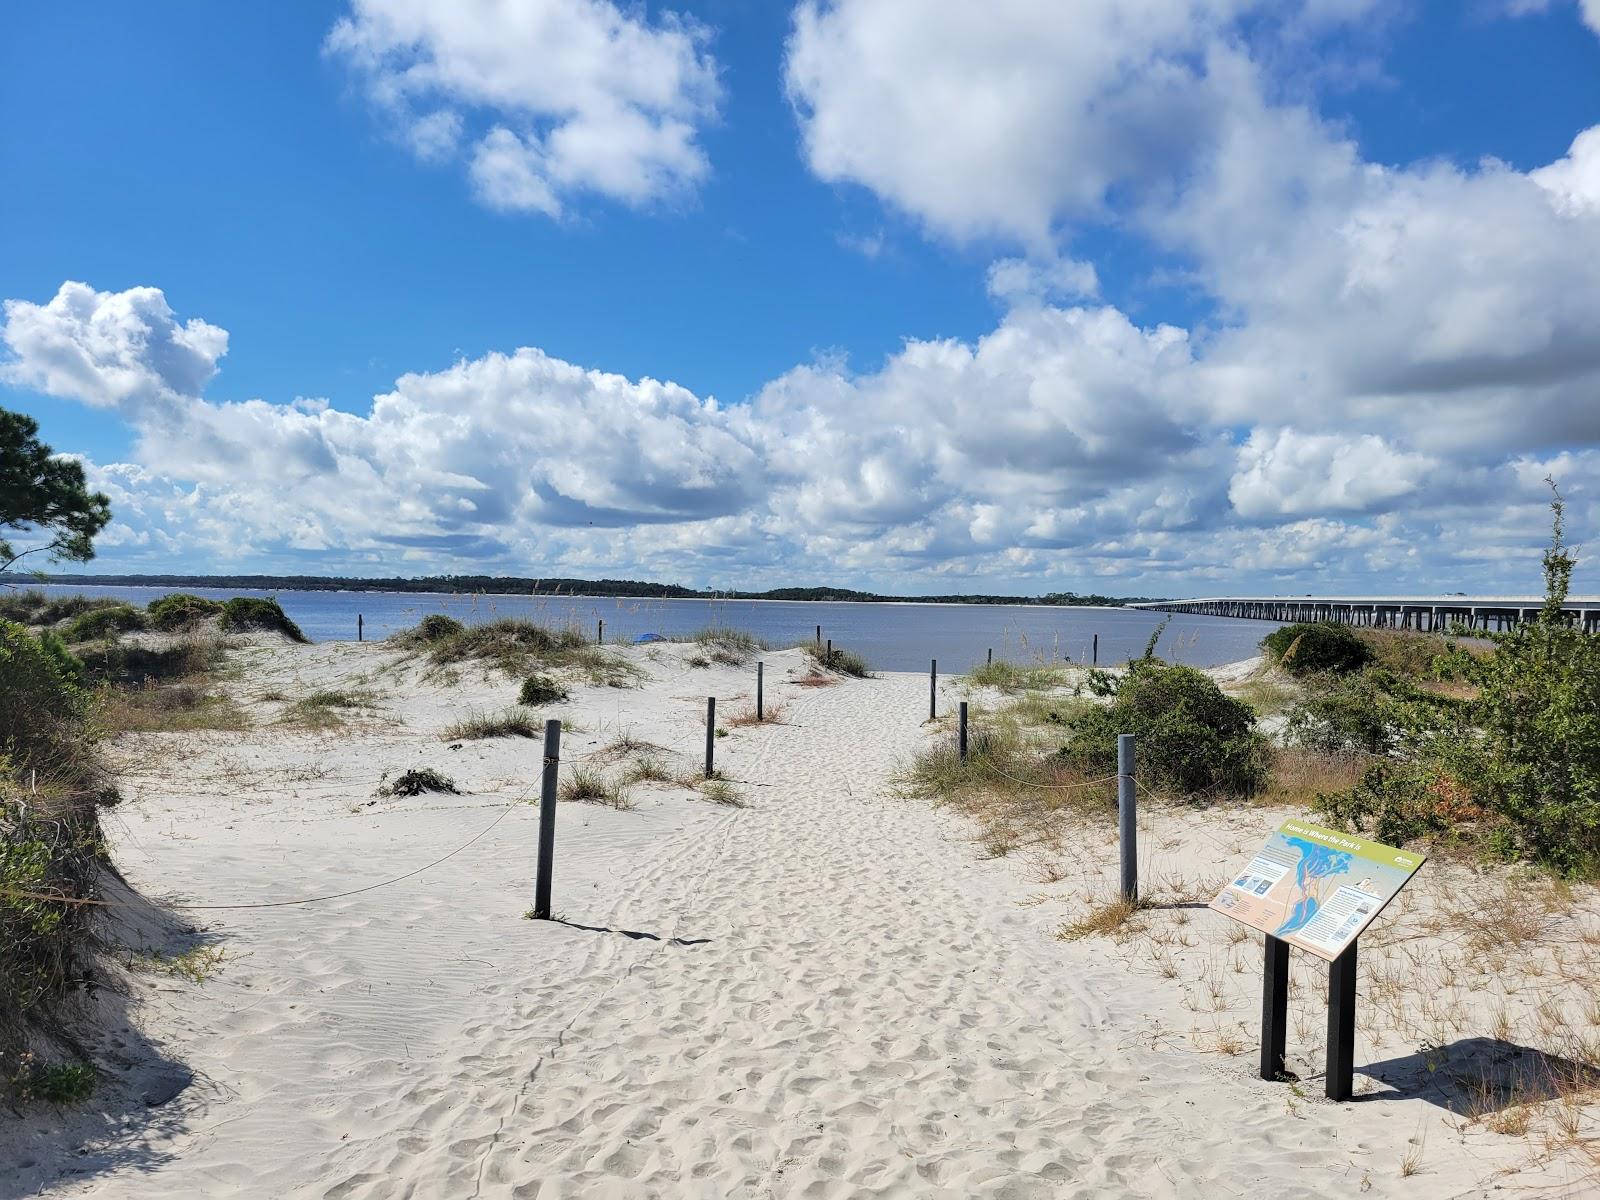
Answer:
(1095, 661)
(933, 690)
(991, 656)
(1127, 817)
(360, 628)
(760, 671)
(1341, 1025)
(547, 820)
(828, 661)
(961, 735)
(819, 636)
(600, 633)
(1274, 1007)
(711, 735)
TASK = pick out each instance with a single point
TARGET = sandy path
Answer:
(857, 1016)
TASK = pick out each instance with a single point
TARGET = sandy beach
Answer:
(828, 992)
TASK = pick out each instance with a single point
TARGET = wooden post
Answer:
(1341, 1025)
(991, 656)
(1095, 661)
(711, 736)
(600, 633)
(547, 820)
(933, 690)
(1127, 812)
(360, 628)
(760, 672)
(828, 661)
(819, 636)
(1274, 1007)
(961, 734)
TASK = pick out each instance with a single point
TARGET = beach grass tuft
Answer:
(510, 722)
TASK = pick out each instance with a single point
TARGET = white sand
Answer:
(826, 994)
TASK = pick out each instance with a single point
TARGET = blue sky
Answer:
(799, 212)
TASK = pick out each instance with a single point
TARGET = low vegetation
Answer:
(36, 608)
(248, 614)
(1509, 763)
(541, 689)
(476, 726)
(52, 786)
(180, 610)
(430, 631)
(109, 621)
(771, 714)
(518, 647)
(590, 785)
(841, 662)
(169, 708)
(731, 647)
(328, 709)
(417, 781)
(1014, 678)
(1308, 647)
(1190, 736)
(722, 791)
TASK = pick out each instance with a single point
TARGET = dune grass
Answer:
(731, 647)
(840, 662)
(518, 647)
(328, 709)
(170, 708)
(511, 722)
(772, 714)
(590, 785)
(1013, 678)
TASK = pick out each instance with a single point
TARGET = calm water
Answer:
(892, 637)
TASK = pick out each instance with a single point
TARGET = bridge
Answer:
(1392, 612)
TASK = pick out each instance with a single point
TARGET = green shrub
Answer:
(58, 1083)
(43, 705)
(34, 607)
(1308, 647)
(180, 610)
(541, 689)
(1340, 714)
(1188, 735)
(105, 622)
(245, 613)
(50, 843)
(432, 629)
(1518, 764)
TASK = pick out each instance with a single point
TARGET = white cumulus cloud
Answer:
(548, 100)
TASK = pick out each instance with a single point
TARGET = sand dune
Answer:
(825, 994)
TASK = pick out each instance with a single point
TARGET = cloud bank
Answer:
(1064, 447)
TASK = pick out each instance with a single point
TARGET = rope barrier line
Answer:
(84, 902)
(1064, 787)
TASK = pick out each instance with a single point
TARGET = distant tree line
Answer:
(499, 585)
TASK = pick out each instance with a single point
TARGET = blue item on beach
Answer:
(648, 637)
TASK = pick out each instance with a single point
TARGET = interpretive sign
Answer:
(1316, 888)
